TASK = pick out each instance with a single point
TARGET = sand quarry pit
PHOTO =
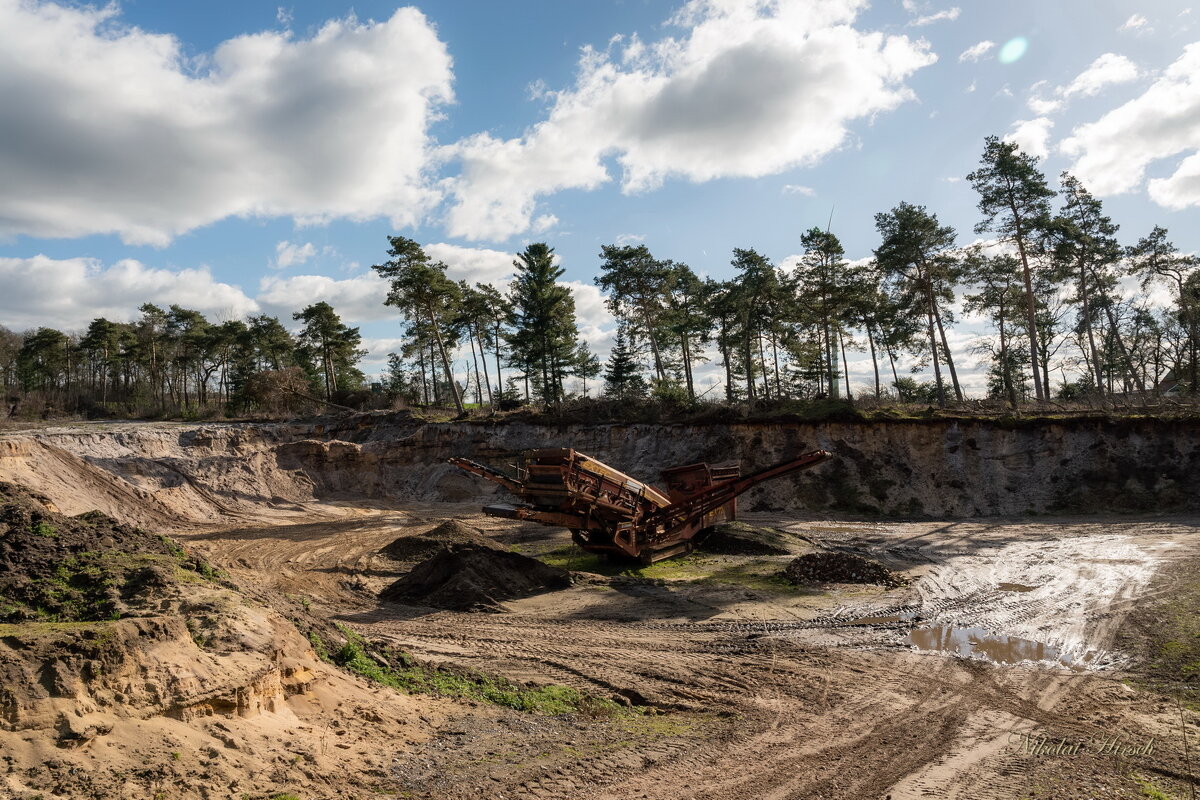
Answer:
(262, 661)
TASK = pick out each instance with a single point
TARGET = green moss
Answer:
(318, 645)
(413, 678)
(44, 528)
(1150, 789)
(88, 585)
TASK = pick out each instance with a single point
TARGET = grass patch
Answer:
(88, 586)
(1150, 789)
(45, 529)
(410, 677)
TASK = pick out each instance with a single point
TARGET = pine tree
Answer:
(918, 253)
(1014, 200)
(544, 339)
(636, 285)
(825, 288)
(1155, 259)
(334, 348)
(622, 376)
(427, 299)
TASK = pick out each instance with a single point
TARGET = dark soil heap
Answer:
(427, 545)
(470, 576)
(839, 568)
(55, 568)
(740, 539)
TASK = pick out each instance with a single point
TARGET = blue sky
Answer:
(237, 156)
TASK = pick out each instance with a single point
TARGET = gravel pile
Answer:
(840, 568)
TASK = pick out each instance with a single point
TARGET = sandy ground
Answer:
(944, 688)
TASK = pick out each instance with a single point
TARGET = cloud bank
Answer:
(112, 129)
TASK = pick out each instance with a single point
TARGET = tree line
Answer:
(175, 361)
(1048, 281)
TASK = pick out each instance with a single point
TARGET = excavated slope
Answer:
(148, 473)
(129, 666)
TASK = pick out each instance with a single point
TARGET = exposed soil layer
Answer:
(86, 568)
(161, 473)
(475, 577)
(742, 539)
(428, 544)
(839, 568)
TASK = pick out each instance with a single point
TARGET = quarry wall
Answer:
(946, 468)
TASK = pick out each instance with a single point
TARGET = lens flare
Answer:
(1013, 49)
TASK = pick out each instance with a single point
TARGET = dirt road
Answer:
(775, 693)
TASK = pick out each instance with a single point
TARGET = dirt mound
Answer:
(472, 576)
(428, 544)
(839, 568)
(741, 539)
(86, 568)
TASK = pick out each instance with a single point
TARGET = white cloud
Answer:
(1111, 154)
(795, 188)
(69, 293)
(948, 14)
(1107, 70)
(473, 264)
(596, 325)
(112, 129)
(544, 223)
(976, 51)
(633, 238)
(1043, 106)
(358, 299)
(750, 89)
(1180, 190)
(971, 88)
(288, 254)
(1134, 23)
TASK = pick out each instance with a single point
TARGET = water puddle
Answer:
(980, 643)
(1015, 587)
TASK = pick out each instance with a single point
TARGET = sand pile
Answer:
(470, 576)
(740, 539)
(839, 568)
(428, 544)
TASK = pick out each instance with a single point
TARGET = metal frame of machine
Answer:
(609, 512)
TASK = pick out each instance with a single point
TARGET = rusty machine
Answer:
(609, 512)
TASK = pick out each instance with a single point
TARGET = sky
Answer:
(243, 157)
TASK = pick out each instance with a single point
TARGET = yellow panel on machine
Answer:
(610, 512)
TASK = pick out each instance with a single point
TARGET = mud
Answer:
(469, 576)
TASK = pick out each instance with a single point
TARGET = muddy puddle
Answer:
(983, 644)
